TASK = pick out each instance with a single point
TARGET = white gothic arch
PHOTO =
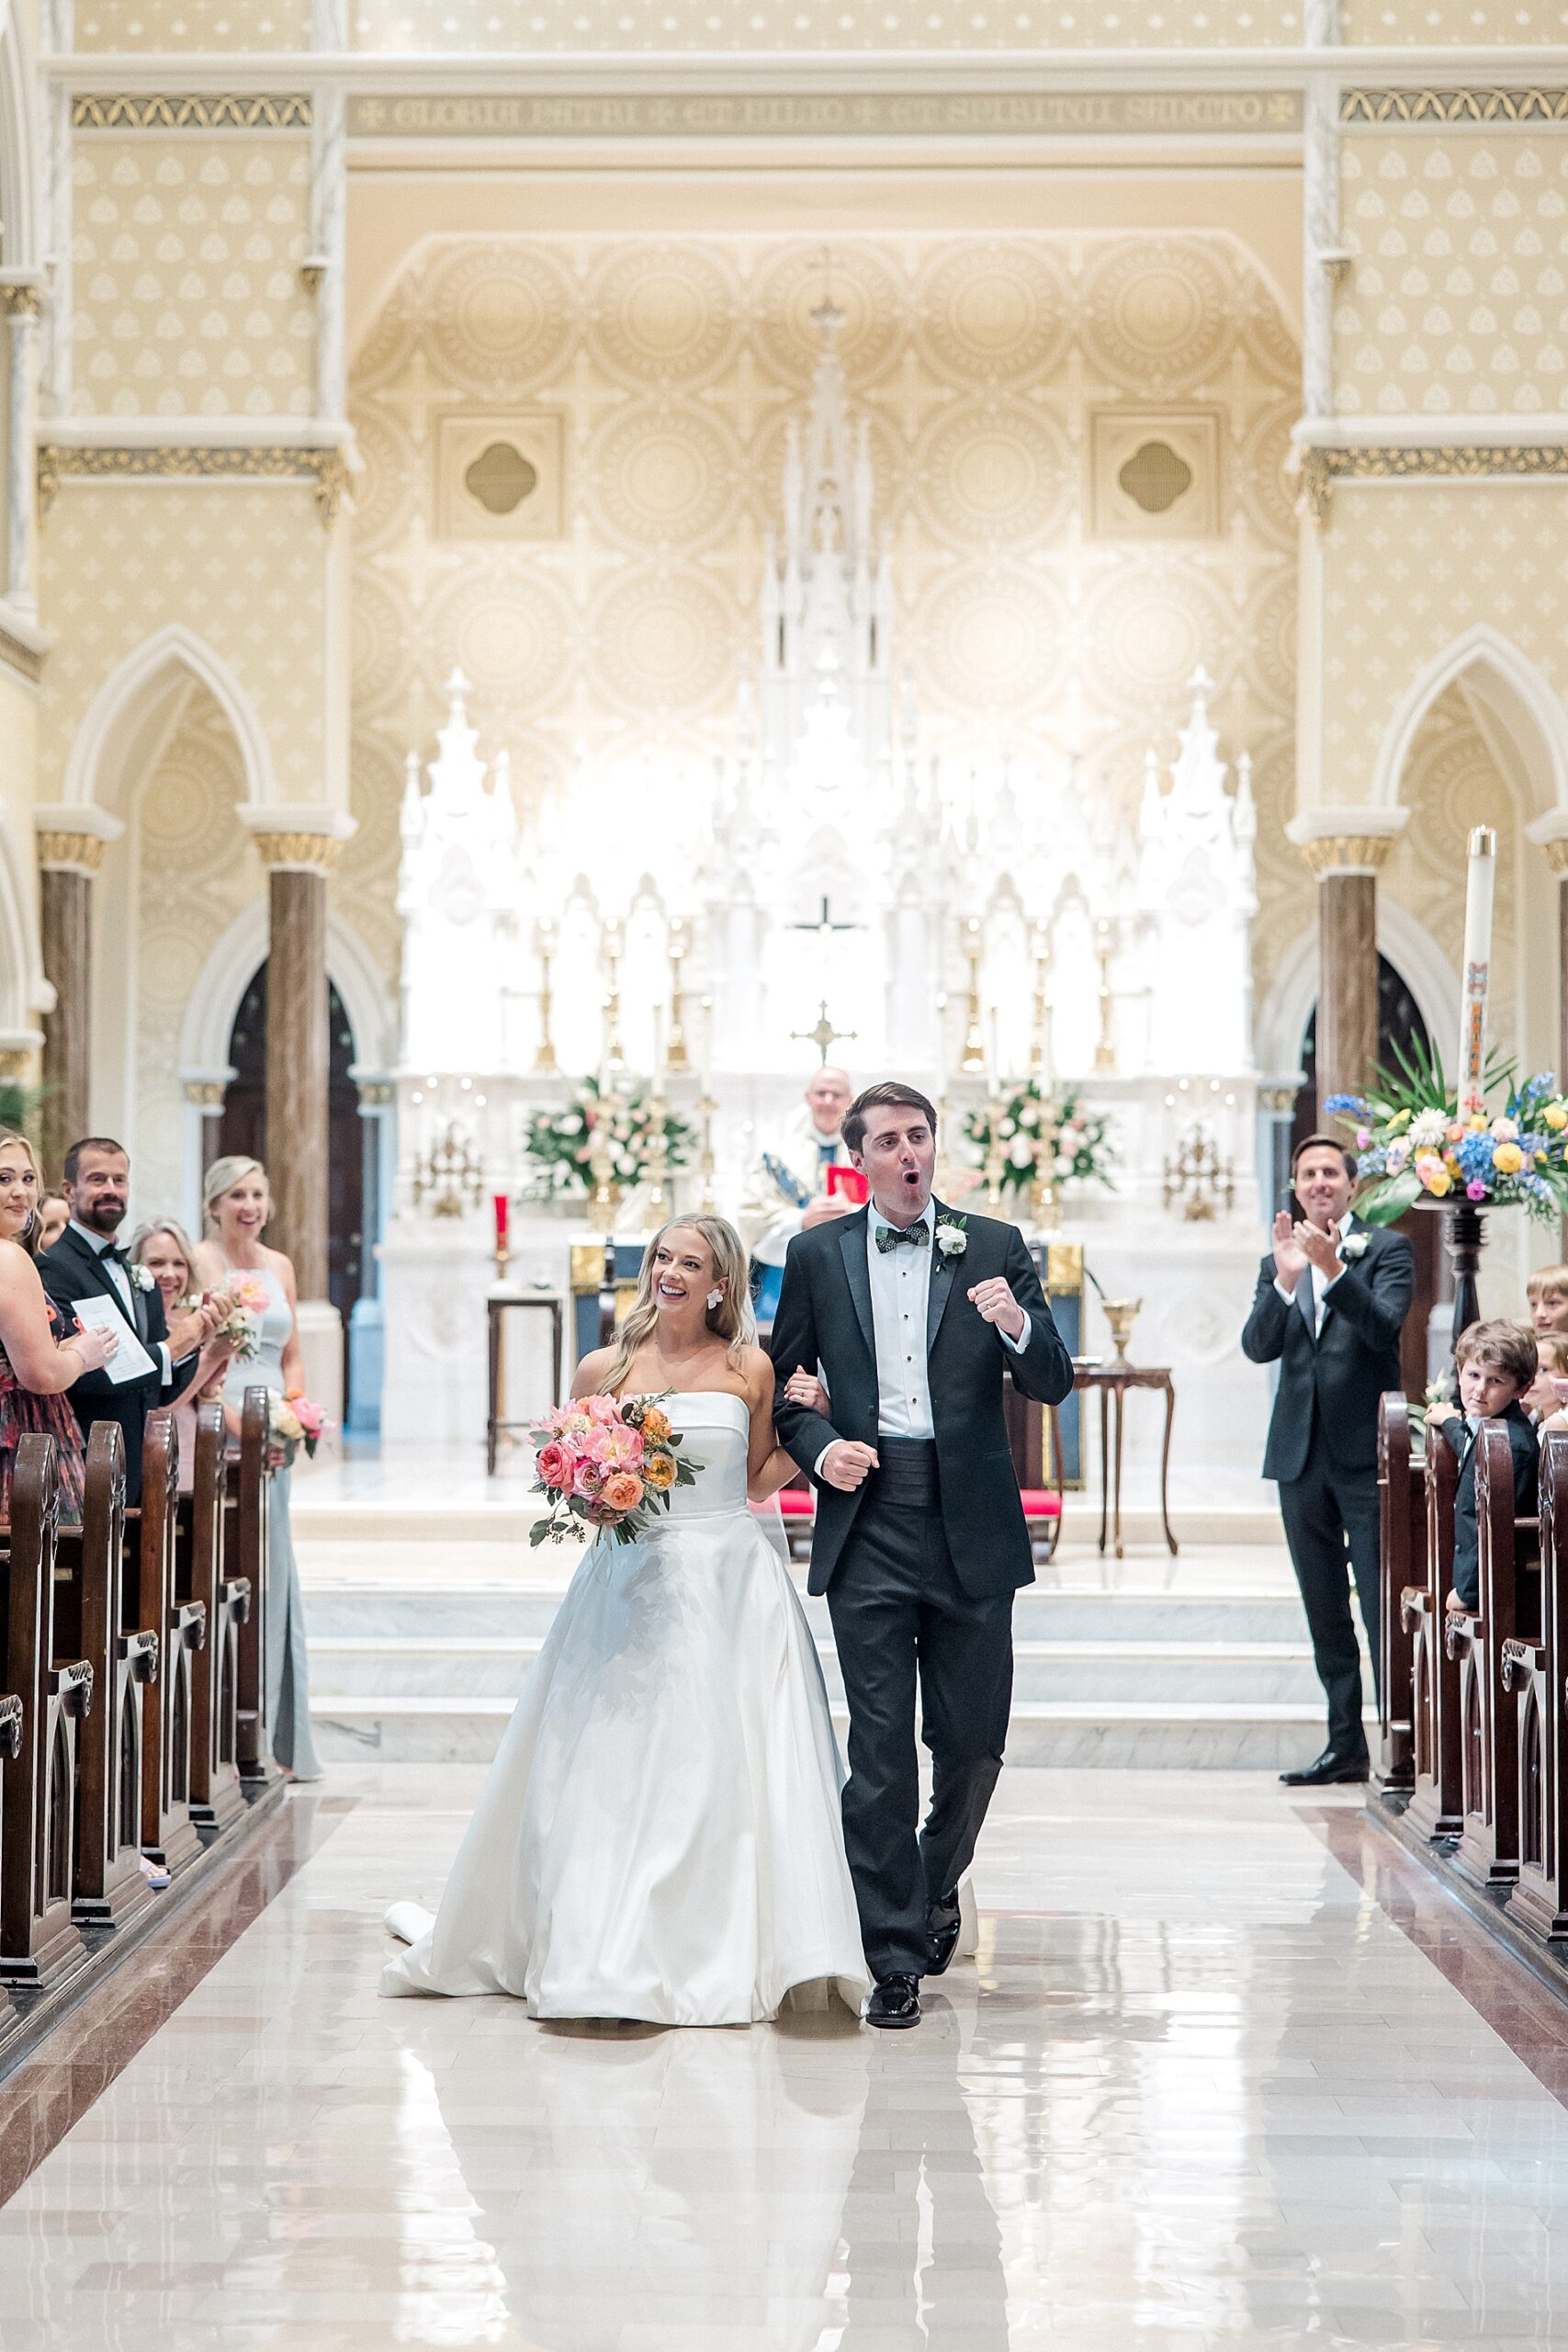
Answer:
(1408, 946)
(1508, 697)
(215, 1001)
(133, 696)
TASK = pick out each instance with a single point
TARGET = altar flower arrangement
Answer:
(1414, 1143)
(561, 1144)
(1043, 1136)
(295, 1420)
(606, 1463)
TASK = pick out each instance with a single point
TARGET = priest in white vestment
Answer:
(787, 1190)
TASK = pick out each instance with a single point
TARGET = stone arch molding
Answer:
(133, 696)
(1408, 945)
(215, 1000)
(1508, 695)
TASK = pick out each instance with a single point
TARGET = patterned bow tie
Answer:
(918, 1236)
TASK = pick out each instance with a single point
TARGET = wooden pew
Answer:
(246, 1540)
(39, 1940)
(1435, 1810)
(1534, 1671)
(1509, 1594)
(216, 1795)
(164, 1600)
(95, 1608)
(1401, 1520)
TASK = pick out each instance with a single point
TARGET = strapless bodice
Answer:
(716, 1430)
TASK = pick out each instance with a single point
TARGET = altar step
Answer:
(1148, 1678)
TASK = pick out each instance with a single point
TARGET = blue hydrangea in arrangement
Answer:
(1414, 1146)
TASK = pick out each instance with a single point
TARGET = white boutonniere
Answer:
(142, 1277)
(1354, 1246)
(952, 1237)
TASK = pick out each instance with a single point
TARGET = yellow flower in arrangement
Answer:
(659, 1471)
(1439, 1181)
(1555, 1116)
(1507, 1160)
(1399, 1122)
(1478, 1122)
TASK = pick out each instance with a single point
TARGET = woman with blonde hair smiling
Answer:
(165, 1249)
(41, 1355)
(234, 1258)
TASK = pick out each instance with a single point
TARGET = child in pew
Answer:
(1496, 1365)
(1546, 1291)
(1548, 1396)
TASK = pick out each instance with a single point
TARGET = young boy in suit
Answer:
(1496, 1365)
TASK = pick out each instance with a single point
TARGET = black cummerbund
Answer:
(907, 1477)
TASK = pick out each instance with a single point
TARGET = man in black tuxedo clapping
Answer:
(86, 1262)
(1332, 1297)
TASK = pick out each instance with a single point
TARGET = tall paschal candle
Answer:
(1480, 883)
(503, 1212)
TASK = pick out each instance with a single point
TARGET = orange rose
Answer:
(656, 1426)
(622, 1490)
(659, 1472)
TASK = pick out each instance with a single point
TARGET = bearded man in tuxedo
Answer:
(1332, 1297)
(87, 1263)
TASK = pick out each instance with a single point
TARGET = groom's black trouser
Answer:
(900, 1614)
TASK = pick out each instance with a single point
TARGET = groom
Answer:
(912, 1311)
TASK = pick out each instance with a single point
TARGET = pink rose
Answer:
(605, 1411)
(586, 1478)
(623, 1491)
(553, 1465)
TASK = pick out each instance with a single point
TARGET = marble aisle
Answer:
(1226, 2075)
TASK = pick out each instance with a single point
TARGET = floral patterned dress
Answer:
(24, 1413)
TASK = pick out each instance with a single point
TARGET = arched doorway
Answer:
(244, 1129)
(1400, 1027)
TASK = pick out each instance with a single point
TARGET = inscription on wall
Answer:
(986, 114)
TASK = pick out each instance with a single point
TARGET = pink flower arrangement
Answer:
(608, 1463)
(297, 1420)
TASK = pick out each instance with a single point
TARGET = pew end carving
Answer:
(1434, 1811)
(111, 1886)
(216, 1792)
(1536, 1670)
(250, 1480)
(168, 1832)
(1402, 1520)
(1508, 1617)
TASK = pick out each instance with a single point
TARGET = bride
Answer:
(660, 1835)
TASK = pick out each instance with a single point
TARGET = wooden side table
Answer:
(1113, 1381)
(498, 1305)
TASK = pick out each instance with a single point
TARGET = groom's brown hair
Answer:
(887, 1094)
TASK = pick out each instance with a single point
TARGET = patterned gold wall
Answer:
(212, 27)
(1458, 298)
(1451, 786)
(675, 366)
(186, 261)
(242, 565)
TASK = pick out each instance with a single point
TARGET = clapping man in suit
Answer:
(1332, 1298)
(86, 1262)
(913, 1313)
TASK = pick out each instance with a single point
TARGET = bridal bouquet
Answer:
(606, 1463)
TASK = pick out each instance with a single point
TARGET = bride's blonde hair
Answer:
(731, 1320)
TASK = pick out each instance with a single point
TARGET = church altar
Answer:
(831, 886)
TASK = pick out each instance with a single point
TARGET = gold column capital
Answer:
(20, 298)
(1557, 856)
(68, 853)
(206, 1093)
(298, 853)
(1331, 853)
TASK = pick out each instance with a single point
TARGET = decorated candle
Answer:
(1480, 881)
(503, 1212)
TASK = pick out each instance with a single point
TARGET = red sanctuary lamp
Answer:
(502, 1205)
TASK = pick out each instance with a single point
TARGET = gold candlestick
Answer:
(706, 1166)
(995, 1157)
(615, 1051)
(545, 1053)
(1105, 948)
(974, 1059)
(676, 1055)
(655, 1206)
(1040, 1034)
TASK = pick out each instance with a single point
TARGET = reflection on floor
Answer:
(1199, 2090)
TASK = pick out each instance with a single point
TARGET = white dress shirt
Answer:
(1321, 1283)
(900, 1296)
(120, 1277)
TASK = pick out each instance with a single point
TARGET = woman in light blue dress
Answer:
(235, 1197)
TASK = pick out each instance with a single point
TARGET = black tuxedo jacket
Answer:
(72, 1270)
(824, 1319)
(1525, 1447)
(1345, 1370)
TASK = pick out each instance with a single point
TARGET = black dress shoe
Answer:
(1329, 1770)
(895, 2003)
(942, 1922)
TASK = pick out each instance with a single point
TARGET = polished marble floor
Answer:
(1227, 2072)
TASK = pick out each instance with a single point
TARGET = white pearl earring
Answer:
(716, 1299)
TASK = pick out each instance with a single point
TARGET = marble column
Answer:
(297, 1050)
(20, 302)
(67, 863)
(1346, 866)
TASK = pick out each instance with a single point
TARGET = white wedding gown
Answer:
(660, 1835)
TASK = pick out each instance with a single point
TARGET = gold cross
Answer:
(824, 1034)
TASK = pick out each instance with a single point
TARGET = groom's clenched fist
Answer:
(848, 1465)
(997, 1304)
